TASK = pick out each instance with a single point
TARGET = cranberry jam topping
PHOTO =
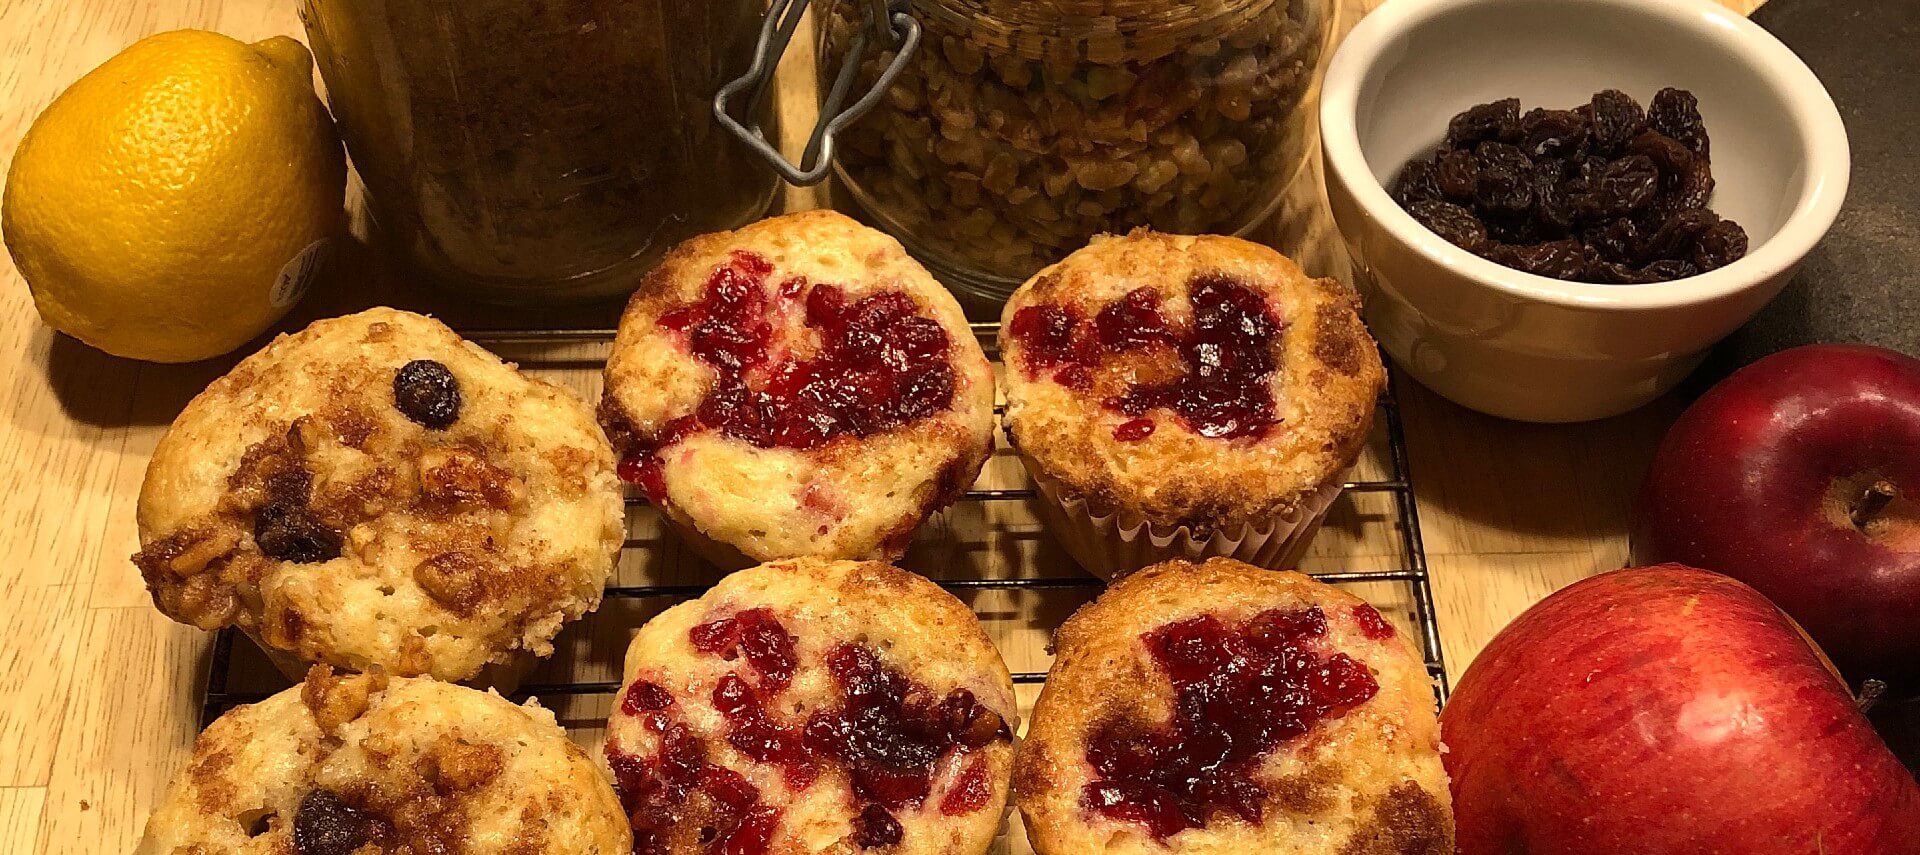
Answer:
(1239, 693)
(869, 366)
(888, 732)
(756, 634)
(1372, 624)
(1225, 353)
(659, 793)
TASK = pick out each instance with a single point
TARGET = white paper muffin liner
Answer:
(1114, 544)
(503, 677)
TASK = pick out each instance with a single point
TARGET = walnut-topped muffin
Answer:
(1224, 709)
(797, 387)
(1186, 396)
(374, 491)
(365, 765)
(813, 706)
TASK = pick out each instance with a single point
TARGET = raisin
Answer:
(1668, 154)
(1693, 188)
(1618, 241)
(1502, 189)
(1498, 120)
(1616, 118)
(426, 392)
(1604, 192)
(1675, 237)
(1559, 259)
(1553, 134)
(1720, 245)
(325, 825)
(1676, 113)
(290, 532)
(1458, 225)
(1458, 173)
(1419, 181)
(1553, 205)
(1667, 270)
(1624, 186)
(1509, 227)
(1615, 273)
(1663, 270)
(1506, 178)
(1504, 156)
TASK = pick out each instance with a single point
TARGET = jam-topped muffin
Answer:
(374, 491)
(800, 387)
(1222, 708)
(814, 706)
(367, 765)
(1186, 396)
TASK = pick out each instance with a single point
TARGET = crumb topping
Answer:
(344, 504)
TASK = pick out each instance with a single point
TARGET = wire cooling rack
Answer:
(562, 350)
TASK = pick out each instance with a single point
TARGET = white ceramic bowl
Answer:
(1527, 347)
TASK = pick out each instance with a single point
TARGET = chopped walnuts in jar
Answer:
(1019, 130)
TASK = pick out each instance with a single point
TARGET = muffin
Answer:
(814, 706)
(1221, 708)
(363, 764)
(1180, 397)
(375, 491)
(800, 387)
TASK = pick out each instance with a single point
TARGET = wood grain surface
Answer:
(98, 692)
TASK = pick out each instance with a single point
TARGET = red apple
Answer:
(1667, 711)
(1798, 475)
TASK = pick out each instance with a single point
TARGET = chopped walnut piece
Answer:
(335, 699)
(455, 479)
(187, 553)
(457, 765)
(455, 579)
(184, 571)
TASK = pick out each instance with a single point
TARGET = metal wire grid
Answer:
(1413, 570)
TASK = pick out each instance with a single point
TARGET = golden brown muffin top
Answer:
(892, 712)
(800, 386)
(375, 491)
(1165, 660)
(367, 765)
(1199, 381)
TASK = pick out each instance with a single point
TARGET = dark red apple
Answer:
(1799, 475)
(1667, 711)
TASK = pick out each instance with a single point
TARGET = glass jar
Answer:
(1022, 128)
(533, 151)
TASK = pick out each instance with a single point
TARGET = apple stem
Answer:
(1871, 691)
(1872, 501)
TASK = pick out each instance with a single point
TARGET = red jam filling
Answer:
(970, 792)
(1226, 355)
(755, 634)
(875, 364)
(1372, 624)
(888, 732)
(657, 793)
(1239, 692)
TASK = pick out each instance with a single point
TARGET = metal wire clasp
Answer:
(892, 25)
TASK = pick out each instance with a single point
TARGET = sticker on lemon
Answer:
(174, 202)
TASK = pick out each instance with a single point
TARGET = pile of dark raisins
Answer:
(1604, 192)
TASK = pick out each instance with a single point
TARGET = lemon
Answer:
(171, 204)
